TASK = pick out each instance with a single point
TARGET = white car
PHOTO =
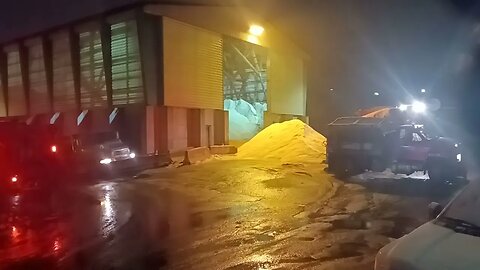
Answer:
(450, 241)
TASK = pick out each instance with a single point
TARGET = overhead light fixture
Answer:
(256, 30)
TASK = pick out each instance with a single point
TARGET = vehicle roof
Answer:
(357, 120)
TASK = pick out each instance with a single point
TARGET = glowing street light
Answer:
(376, 94)
(256, 30)
(423, 90)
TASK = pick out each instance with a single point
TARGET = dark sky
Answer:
(395, 47)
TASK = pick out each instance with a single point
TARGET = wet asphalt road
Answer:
(222, 214)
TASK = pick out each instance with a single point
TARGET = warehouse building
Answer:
(166, 77)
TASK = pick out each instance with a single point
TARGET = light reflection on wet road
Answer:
(61, 229)
(225, 214)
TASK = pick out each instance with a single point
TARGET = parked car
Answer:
(94, 152)
(450, 241)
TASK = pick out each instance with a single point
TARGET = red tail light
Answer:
(53, 148)
(14, 179)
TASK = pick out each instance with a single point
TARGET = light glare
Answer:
(106, 161)
(256, 30)
(419, 107)
(403, 107)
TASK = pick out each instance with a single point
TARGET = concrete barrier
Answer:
(223, 149)
(196, 154)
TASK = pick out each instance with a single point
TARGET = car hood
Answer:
(435, 247)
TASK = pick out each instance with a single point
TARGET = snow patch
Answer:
(245, 119)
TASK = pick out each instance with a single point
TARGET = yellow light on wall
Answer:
(256, 30)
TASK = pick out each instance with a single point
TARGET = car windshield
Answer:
(465, 206)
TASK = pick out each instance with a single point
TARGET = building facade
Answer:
(166, 77)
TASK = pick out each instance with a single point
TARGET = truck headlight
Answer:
(459, 157)
(106, 161)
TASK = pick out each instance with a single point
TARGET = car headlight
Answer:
(459, 157)
(132, 155)
(106, 161)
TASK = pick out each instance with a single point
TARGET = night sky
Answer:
(357, 48)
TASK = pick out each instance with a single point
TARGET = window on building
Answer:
(63, 83)
(93, 91)
(37, 78)
(17, 104)
(127, 85)
(244, 87)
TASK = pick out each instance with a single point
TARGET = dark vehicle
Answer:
(94, 152)
(26, 158)
(357, 144)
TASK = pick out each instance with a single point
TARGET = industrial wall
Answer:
(287, 84)
(193, 70)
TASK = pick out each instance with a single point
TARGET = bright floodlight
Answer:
(419, 107)
(376, 94)
(403, 107)
(256, 30)
(423, 90)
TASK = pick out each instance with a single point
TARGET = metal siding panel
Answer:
(3, 104)
(193, 66)
(63, 83)
(16, 94)
(93, 91)
(287, 87)
(38, 79)
(127, 82)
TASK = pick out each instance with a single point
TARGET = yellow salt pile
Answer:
(289, 141)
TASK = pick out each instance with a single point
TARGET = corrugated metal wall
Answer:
(63, 84)
(127, 82)
(93, 90)
(38, 78)
(287, 88)
(16, 93)
(3, 103)
(193, 66)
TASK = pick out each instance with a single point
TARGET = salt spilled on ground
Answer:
(289, 141)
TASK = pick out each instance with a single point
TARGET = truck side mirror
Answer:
(434, 209)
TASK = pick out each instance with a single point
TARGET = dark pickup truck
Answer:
(358, 144)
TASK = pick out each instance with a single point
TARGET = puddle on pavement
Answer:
(345, 250)
(205, 218)
(278, 183)
(350, 223)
